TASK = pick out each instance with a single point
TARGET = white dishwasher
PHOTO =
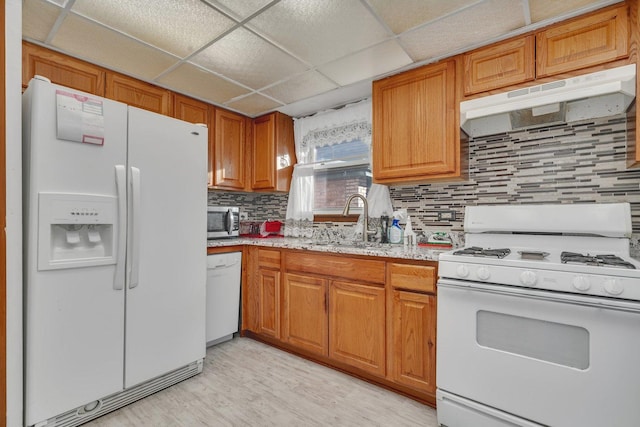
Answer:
(223, 296)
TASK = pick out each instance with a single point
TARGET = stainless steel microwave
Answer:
(223, 222)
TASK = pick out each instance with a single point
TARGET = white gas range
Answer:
(539, 319)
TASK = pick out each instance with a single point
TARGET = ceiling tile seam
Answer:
(441, 17)
(222, 76)
(241, 97)
(230, 14)
(126, 35)
(59, 20)
(238, 24)
(378, 18)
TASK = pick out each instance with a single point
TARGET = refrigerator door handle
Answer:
(121, 190)
(135, 227)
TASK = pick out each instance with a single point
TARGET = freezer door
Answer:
(166, 256)
(74, 313)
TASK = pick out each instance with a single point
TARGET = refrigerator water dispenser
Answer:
(76, 230)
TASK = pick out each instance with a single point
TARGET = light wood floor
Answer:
(247, 383)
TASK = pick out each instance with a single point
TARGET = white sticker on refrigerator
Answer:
(79, 118)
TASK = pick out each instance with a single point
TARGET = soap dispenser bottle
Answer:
(395, 232)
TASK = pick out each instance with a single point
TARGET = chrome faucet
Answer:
(345, 212)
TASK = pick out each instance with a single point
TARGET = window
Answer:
(341, 170)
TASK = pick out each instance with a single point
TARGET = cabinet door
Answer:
(582, 42)
(305, 312)
(61, 69)
(263, 153)
(414, 344)
(499, 65)
(229, 150)
(273, 152)
(357, 326)
(415, 125)
(138, 94)
(269, 289)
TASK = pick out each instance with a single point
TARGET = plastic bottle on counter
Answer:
(409, 235)
(395, 232)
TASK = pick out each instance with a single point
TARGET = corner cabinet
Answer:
(416, 134)
(273, 153)
(229, 151)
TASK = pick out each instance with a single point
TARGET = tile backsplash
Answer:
(583, 162)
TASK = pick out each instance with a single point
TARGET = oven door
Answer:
(554, 359)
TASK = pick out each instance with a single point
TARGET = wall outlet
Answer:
(244, 216)
(447, 216)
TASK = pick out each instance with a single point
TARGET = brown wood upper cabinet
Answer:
(273, 153)
(499, 65)
(61, 69)
(416, 133)
(138, 94)
(582, 42)
(229, 151)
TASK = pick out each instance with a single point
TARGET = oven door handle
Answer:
(539, 294)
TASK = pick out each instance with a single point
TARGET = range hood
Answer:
(600, 94)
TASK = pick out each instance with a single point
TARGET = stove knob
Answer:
(483, 273)
(581, 283)
(528, 278)
(462, 271)
(612, 287)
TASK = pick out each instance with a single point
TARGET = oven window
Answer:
(558, 343)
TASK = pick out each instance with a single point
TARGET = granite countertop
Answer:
(380, 250)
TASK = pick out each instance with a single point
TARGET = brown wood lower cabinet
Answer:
(369, 316)
(357, 325)
(413, 347)
(305, 312)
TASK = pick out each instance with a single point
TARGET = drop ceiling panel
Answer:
(194, 81)
(367, 64)
(179, 28)
(402, 15)
(80, 37)
(38, 18)
(254, 105)
(469, 27)
(246, 58)
(300, 87)
(320, 31)
(241, 9)
(545, 9)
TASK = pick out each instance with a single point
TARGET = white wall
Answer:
(13, 85)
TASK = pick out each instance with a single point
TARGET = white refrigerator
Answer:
(115, 202)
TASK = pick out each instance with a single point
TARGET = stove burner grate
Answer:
(482, 252)
(598, 260)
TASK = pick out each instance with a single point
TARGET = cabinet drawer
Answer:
(269, 258)
(364, 270)
(421, 278)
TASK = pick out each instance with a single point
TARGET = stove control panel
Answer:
(604, 285)
(581, 283)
